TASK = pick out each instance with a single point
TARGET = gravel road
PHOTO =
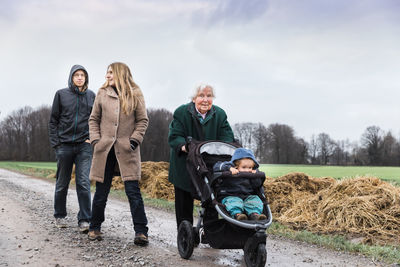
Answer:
(28, 236)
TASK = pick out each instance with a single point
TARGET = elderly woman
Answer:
(201, 120)
(117, 125)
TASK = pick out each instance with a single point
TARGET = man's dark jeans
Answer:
(132, 190)
(67, 155)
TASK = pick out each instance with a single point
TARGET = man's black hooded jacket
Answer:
(70, 112)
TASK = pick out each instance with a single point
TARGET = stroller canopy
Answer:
(217, 148)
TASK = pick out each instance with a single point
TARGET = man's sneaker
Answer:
(61, 222)
(240, 217)
(141, 240)
(257, 216)
(95, 235)
(83, 227)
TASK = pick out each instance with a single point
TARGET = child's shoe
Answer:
(240, 217)
(257, 216)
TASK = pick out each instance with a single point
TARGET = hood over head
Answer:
(71, 73)
(242, 153)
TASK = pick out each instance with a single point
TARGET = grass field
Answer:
(338, 172)
(41, 169)
(271, 170)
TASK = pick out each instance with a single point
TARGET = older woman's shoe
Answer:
(95, 235)
(141, 240)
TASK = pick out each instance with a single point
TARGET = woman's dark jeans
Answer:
(132, 190)
(67, 155)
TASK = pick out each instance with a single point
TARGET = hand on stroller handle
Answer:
(185, 148)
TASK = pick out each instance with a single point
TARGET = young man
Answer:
(69, 136)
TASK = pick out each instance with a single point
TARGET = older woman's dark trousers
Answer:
(132, 191)
(184, 208)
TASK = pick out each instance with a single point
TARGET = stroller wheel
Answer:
(255, 256)
(185, 239)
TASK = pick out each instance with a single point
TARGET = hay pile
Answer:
(364, 206)
(359, 207)
(154, 180)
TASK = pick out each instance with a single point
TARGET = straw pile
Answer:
(154, 181)
(364, 206)
(359, 207)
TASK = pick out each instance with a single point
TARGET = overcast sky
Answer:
(316, 65)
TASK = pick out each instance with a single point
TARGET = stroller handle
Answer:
(189, 140)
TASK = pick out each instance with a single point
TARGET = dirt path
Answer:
(28, 236)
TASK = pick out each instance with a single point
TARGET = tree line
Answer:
(24, 137)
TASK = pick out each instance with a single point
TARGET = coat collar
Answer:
(192, 110)
(110, 91)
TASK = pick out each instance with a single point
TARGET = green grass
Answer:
(272, 170)
(338, 172)
(388, 254)
(39, 169)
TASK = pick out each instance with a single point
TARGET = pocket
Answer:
(57, 148)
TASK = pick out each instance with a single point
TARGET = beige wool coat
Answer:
(108, 126)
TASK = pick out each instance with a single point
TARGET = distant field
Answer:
(272, 170)
(41, 169)
(385, 173)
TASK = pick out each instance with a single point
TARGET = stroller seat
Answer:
(256, 180)
(221, 231)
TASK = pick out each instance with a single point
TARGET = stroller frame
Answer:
(252, 237)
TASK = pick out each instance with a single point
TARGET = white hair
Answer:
(200, 88)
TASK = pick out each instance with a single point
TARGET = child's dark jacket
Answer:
(235, 185)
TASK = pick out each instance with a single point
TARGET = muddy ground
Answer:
(28, 236)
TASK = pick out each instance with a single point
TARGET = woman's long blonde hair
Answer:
(129, 92)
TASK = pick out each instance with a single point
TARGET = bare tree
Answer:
(245, 132)
(39, 145)
(261, 139)
(390, 151)
(155, 144)
(325, 147)
(313, 150)
(340, 154)
(371, 140)
(282, 142)
(24, 135)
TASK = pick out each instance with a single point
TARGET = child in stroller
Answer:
(238, 194)
(222, 231)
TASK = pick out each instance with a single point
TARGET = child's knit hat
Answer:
(242, 153)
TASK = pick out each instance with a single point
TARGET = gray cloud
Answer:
(315, 68)
(230, 12)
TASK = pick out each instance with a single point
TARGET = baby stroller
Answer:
(215, 226)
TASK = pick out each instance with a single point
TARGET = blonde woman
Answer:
(117, 125)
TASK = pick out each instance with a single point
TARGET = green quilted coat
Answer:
(215, 126)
